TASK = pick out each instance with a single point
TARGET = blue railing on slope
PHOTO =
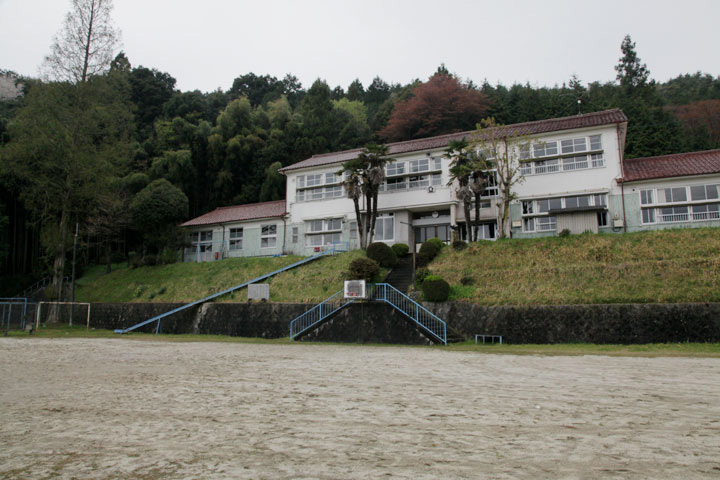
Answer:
(318, 313)
(423, 317)
(158, 318)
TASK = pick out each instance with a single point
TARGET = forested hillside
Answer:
(105, 152)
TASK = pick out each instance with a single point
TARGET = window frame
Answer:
(268, 236)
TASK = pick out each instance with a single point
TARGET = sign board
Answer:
(354, 288)
(259, 291)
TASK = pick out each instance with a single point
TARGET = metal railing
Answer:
(318, 313)
(158, 318)
(21, 304)
(423, 317)
(42, 283)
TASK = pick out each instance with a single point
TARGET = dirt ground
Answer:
(101, 408)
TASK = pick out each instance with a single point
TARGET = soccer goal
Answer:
(65, 313)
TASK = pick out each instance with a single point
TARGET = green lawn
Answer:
(646, 350)
(681, 265)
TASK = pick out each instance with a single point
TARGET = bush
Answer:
(435, 289)
(421, 274)
(467, 280)
(400, 249)
(168, 256)
(382, 254)
(432, 248)
(364, 269)
(564, 233)
(459, 245)
(422, 259)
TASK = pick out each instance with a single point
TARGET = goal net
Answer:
(62, 314)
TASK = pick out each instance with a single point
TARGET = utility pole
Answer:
(72, 297)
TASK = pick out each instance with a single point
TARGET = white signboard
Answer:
(354, 288)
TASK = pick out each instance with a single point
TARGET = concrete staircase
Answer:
(401, 277)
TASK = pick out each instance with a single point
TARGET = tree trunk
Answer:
(59, 262)
(360, 223)
(477, 217)
(468, 222)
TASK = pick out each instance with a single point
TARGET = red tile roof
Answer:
(237, 213)
(519, 129)
(676, 165)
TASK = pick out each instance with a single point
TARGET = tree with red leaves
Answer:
(701, 123)
(441, 105)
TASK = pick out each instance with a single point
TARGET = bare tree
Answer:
(85, 45)
(502, 145)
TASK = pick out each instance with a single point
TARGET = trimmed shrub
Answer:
(432, 248)
(422, 259)
(382, 254)
(168, 256)
(363, 269)
(435, 289)
(400, 249)
(421, 274)
(564, 233)
(459, 245)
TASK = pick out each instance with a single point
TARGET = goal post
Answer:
(41, 305)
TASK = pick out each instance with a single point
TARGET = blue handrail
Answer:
(382, 292)
(317, 314)
(423, 317)
(158, 318)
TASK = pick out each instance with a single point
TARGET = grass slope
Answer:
(680, 265)
(185, 282)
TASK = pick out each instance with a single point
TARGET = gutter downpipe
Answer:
(621, 150)
(284, 232)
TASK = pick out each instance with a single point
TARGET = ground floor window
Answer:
(324, 239)
(236, 239)
(484, 231)
(268, 236)
(540, 224)
(295, 234)
(385, 227)
(425, 232)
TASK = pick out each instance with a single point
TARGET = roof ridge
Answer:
(318, 155)
(248, 204)
(668, 155)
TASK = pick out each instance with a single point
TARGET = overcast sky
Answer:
(206, 44)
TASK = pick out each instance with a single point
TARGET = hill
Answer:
(680, 265)
(185, 282)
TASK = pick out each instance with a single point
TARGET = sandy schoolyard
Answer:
(118, 408)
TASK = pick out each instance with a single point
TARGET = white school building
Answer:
(574, 177)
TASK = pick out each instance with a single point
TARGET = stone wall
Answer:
(380, 323)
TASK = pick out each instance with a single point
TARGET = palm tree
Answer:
(461, 169)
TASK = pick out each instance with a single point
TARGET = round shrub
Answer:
(432, 247)
(382, 254)
(363, 269)
(421, 274)
(435, 289)
(422, 259)
(400, 249)
(459, 245)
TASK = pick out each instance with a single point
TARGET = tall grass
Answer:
(663, 266)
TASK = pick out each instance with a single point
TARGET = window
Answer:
(295, 234)
(314, 226)
(706, 212)
(600, 200)
(315, 194)
(236, 238)
(602, 219)
(575, 163)
(334, 192)
(545, 149)
(547, 166)
(491, 187)
(646, 197)
(704, 192)
(673, 214)
(598, 161)
(333, 224)
(324, 239)
(437, 163)
(353, 231)
(574, 145)
(436, 179)
(396, 184)
(420, 165)
(313, 180)
(595, 142)
(672, 195)
(526, 168)
(206, 236)
(300, 196)
(395, 168)
(544, 224)
(385, 227)
(529, 224)
(548, 204)
(524, 152)
(419, 181)
(268, 236)
(648, 215)
(577, 202)
(527, 206)
(332, 178)
(301, 181)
